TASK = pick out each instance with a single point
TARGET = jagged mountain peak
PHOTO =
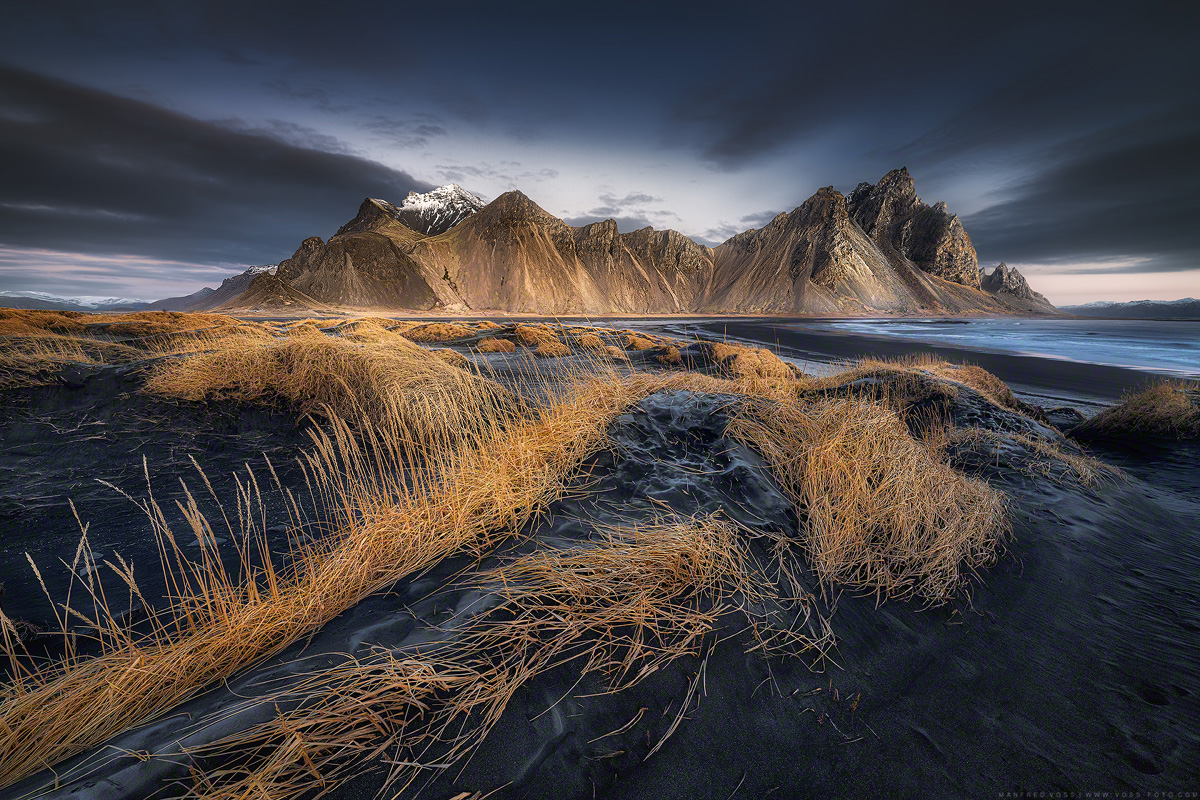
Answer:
(437, 211)
(514, 207)
(1008, 282)
(932, 238)
(430, 213)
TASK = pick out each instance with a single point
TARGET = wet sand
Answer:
(1041, 380)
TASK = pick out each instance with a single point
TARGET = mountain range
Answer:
(879, 250)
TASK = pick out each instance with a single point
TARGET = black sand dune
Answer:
(1072, 665)
(58, 442)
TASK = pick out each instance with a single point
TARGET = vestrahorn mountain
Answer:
(879, 251)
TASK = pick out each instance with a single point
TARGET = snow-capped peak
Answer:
(436, 211)
(450, 194)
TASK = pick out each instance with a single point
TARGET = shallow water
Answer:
(1167, 347)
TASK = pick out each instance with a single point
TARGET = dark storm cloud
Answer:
(1130, 190)
(834, 67)
(291, 133)
(512, 173)
(1063, 121)
(399, 132)
(92, 172)
(962, 76)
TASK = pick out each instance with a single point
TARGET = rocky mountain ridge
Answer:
(207, 298)
(880, 250)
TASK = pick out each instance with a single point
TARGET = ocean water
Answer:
(1169, 348)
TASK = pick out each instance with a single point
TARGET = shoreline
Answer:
(1044, 378)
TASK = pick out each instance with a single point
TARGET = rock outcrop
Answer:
(819, 260)
(367, 266)
(881, 250)
(929, 236)
(1008, 283)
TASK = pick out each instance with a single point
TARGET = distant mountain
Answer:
(185, 303)
(1187, 308)
(207, 299)
(49, 302)
(882, 250)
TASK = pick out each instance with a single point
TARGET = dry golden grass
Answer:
(367, 329)
(624, 608)
(669, 356)
(534, 335)
(441, 461)
(325, 375)
(879, 511)
(919, 378)
(589, 341)
(33, 360)
(468, 498)
(1052, 460)
(316, 322)
(22, 322)
(438, 332)
(305, 330)
(452, 357)
(737, 361)
(615, 353)
(1169, 408)
(157, 323)
(551, 348)
(493, 345)
(245, 335)
(633, 341)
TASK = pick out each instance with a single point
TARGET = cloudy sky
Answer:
(149, 148)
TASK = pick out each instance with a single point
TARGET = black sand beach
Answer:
(1072, 665)
(1048, 380)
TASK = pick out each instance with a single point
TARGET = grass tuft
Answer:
(1169, 409)
(493, 345)
(435, 401)
(879, 511)
(438, 332)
